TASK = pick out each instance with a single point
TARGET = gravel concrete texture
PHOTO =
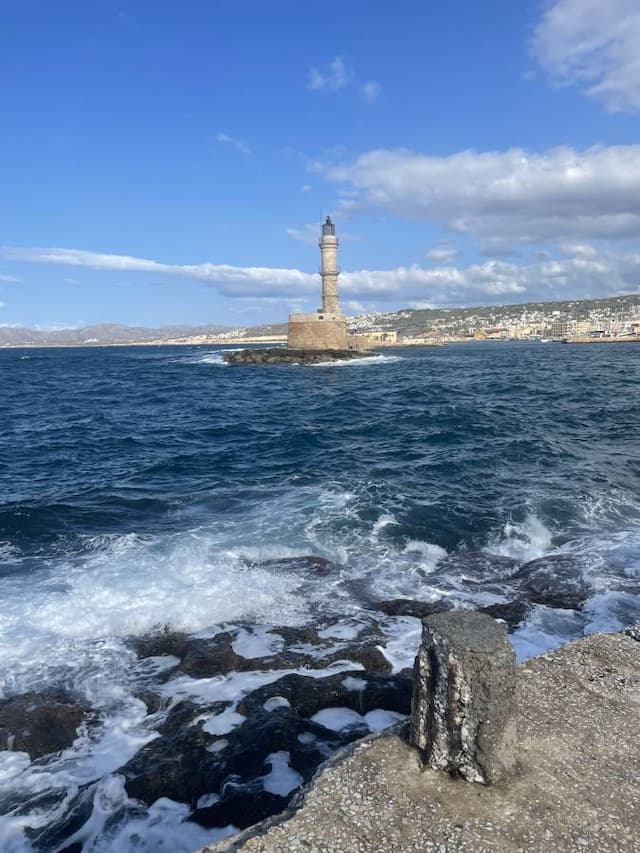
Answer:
(462, 713)
(577, 786)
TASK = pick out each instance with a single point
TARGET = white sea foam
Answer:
(214, 357)
(223, 723)
(352, 683)
(276, 702)
(162, 828)
(282, 779)
(524, 541)
(431, 554)
(379, 719)
(207, 800)
(365, 361)
(257, 642)
(338, 719)
(67, 627)
(403, 638)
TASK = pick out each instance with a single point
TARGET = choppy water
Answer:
(143, 487)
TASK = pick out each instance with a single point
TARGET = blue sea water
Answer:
(150, 486)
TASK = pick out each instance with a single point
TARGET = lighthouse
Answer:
(327, 328)
(329, 269)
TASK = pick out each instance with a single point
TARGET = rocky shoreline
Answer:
(294, 696)
(282, 355)
(576, 787)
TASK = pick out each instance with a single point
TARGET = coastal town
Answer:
(579, 321)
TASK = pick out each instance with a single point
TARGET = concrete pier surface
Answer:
(576, 788)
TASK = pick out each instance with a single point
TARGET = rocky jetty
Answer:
(576, 787)
(280, 355)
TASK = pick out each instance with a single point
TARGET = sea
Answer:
(156, 488)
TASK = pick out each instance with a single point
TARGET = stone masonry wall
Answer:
(307, 331)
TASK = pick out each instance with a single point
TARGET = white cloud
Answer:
(594, 44)
(335, 77)
(502, 197)
(443, 254)
(370, 91)
(230, 280)
(308, 234)
(339, 76)
(577, 250)
(225, 139)
(306, 188)
(9, 279)
(3, 304)
(499, 282)
(492, 281)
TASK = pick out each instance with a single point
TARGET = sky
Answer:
(169, 163)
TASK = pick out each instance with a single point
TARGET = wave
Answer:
(365, 361)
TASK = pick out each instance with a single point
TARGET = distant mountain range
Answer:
(406, 321)
(102, 333)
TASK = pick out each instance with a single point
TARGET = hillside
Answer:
(407, 322)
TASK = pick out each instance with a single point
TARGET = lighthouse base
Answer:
(318, 332)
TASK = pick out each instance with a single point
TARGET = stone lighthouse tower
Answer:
(329, 268)
(327, 328)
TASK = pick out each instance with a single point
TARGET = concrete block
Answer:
(462, 716)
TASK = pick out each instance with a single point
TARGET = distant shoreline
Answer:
(282, 340)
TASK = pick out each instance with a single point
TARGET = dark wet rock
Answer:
(299, 636)
(207, 658)
(215, 656)
(14, 801)
(185, 762)
(370, 656)
(52, 836)
(510, 612)
(281, 355)
(555, 581)
(185, 713)
(189, 762)
(241, 806)
(41, 723)
(165, 642)
(153, 701)
(410, 607)
(307, 695)
(309, 564)
(477, 567)
(175, 765)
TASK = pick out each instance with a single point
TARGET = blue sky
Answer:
(166, 162)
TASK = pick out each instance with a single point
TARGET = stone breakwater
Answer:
(279, 355)
(576, 786)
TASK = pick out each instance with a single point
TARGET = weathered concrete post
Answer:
(462, 715)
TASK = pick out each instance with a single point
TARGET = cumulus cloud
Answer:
(594, 44)
(339, 76)
(507, 197)
(225, 139)
(500, 282)
(493, 281)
